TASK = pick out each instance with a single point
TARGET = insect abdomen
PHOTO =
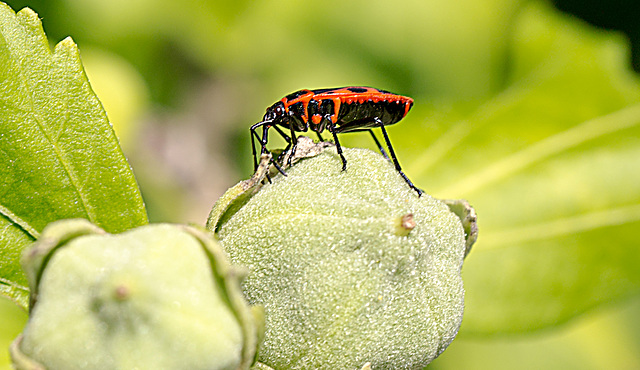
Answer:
(353, 116)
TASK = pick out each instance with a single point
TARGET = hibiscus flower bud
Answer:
(354, 270)
(156, 297)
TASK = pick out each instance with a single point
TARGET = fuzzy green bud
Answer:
(156, 297)
(353, 268)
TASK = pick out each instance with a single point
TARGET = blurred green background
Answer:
(530, 113)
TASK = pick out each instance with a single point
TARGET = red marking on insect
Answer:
(339, 110)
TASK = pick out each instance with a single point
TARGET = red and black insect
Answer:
(339, 110)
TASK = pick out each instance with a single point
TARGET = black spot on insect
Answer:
(357, 89)
(324, 91)
(297, 94)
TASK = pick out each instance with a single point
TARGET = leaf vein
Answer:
(19, 222)
(561, 227)
(54, 143)
(552, 145)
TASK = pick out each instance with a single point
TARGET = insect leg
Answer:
(263, 142)
(325, 123)
(284, 136)
(375, 139)
(332, 129)
(394, 159)
(294, 144)
(275, 162)
(254, 135)
(287, 138)
(382, 151)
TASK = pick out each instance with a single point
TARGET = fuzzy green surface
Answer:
(145, 298)
(340, 286)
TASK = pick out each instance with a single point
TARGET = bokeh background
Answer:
(528, 109)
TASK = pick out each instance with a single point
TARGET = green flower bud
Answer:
(156, 297)
(353, 268)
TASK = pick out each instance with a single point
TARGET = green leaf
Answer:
(552, 166)
(59, 157)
